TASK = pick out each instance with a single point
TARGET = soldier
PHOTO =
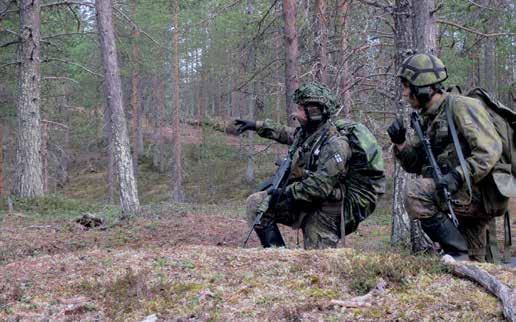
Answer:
(472, 190)
(316, 196)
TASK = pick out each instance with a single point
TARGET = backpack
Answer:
(504, 120)
(366, 164)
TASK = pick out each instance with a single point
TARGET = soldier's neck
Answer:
(434, 103)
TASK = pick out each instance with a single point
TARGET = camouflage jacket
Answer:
(319, 164)
(479, 141)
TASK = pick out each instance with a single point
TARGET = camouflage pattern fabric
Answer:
(318, 170)
(316, 93)
(423, 70)
(421, 202)
(482, 148)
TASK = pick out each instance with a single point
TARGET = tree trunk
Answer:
(251, 102)
(426, 30)
(159, 148)
(1, 159)
(344, 76)
(135, 86)
(44, 155)
(110, 179)
(128, 189)
(177, 169)
(400, 230)
(425, 35)
(321, 42)
(291, 56)
(28, 178)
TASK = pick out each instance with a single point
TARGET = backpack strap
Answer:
(456, 143)
(507, 256)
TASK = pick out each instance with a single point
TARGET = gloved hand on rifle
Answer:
(452, 182)
(244, 125)
(279, 196)
(397, 131)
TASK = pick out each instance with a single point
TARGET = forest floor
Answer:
(184, 262)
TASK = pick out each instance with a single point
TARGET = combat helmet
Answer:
(422, 71)
(319, 95)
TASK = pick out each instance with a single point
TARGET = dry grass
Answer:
(186, 266)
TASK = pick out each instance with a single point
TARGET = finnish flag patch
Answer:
(338, 158)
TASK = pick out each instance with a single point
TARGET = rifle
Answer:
(415, 122)
(279, 180)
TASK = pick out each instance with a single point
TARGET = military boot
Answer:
(270, 236)
(440, 229)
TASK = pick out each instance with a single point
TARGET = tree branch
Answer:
(11, 63)
(60, 78)
(75, 64)
(67, 3)
(9, 43)
(476, 32)
(70, 34)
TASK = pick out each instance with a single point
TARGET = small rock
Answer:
(150, 318)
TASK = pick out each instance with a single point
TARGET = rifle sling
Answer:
(456, 144)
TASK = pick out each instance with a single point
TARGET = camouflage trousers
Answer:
(421, 202)
(320, 224)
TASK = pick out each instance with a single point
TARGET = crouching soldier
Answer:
(466, 188)
(336, 177)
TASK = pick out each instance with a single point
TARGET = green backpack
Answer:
(504, 120)
(366, 164)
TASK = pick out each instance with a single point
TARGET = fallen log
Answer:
(504, 293)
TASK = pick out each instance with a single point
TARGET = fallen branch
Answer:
(506, 294)
(364, 300)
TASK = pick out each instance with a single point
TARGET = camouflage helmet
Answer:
(318, 94)
(423, 70)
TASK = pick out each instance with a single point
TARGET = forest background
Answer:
(187, 69)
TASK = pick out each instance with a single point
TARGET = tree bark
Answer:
(344, 76)
(28, 177)
(426, 30)
(127, 182)
(110, 179)
(321, 42)
(159, 162)
(135, 87)
(400, 230)
(251, 102)
(44, 155)
(1, 159)
(425, 36)
(177, 169)
(291, 56)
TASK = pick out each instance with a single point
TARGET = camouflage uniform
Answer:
(482, 148)
(315, 182)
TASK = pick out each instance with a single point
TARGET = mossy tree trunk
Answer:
(127, 182)
(28, 177)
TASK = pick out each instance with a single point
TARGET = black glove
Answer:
(397, 131)
(278, 196)
(244, 125)
(452, 181)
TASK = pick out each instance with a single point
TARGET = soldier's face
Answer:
(411, 99)
(300, 115)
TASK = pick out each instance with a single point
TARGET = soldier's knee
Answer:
(253, 203)
(419, 199)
